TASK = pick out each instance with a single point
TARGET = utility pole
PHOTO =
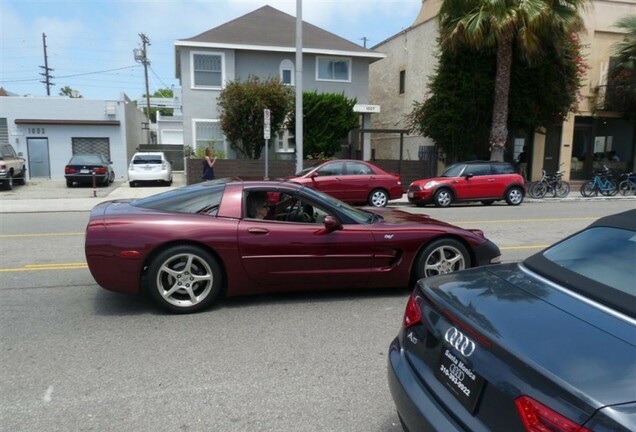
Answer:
(141, 56)
(364, 39)
(47, 76)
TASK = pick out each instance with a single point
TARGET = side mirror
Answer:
(313, 174)
(332, 224)
(468, 176)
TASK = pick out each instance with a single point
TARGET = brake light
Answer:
(69, 170)
(100, 170)
(537, 417)
(412, 314)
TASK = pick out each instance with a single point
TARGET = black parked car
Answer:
(548, 344)
(81, 167)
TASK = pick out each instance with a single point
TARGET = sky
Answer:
(90, 43)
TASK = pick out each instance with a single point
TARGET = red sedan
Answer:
(352, 181)
(187, 246)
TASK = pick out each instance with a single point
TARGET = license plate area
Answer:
(459, 379)
(410, 194)
(84, 171)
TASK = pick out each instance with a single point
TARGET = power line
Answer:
(74, 75)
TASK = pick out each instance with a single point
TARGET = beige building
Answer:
(581, 143)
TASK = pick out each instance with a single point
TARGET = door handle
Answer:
(258, 231)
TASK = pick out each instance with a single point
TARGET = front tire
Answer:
(537, 190)
(562, 189)
(514, 196)
(8, 182)
(185, 279)
(440, 257)
(443, 198)
(625, 187)
(378, 198)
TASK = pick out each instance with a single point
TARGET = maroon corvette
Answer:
(186, 247)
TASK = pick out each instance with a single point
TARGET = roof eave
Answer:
(306, 50)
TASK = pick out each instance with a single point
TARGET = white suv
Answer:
(149, 167)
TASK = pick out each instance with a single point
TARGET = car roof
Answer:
(625, 220)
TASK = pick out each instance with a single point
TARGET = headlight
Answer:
(430, 185)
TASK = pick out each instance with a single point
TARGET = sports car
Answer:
(548, 344)
(187, 246)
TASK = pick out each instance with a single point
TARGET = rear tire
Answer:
(612, 189)
(588, 189)
(443, 198)
(562, 189)
(184, 279)
(69, 183)
(514, 196)
(378, 198)
(625, 187)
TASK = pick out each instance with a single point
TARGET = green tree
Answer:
(242, 105)
(328, 117)
(68, 91)
(621, 91)
(541, 95)
(506, 25)
(161, 93)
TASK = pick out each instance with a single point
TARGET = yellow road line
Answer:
(52, 266)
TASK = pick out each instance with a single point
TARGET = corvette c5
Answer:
(187, 246)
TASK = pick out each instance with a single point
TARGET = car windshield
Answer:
(453, 170)
(197, 198)
(358, 215)
(603, 254)
(306, 170)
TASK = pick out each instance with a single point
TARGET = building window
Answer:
(402, 81)
(208, 133)
(333, 69)
(284, 142)
(207, 70)
(287, 72)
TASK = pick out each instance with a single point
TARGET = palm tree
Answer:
(625, 51)
(507, 26)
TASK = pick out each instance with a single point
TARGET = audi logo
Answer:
(455, 370)
(461, 343)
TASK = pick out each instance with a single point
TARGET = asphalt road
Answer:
(78, 358)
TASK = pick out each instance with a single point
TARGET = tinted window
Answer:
(147, 159)
(603, 254)
(83, 159)
(478, 169)
(199, 198)
(356, 168)
(503, 169)
(331, 169)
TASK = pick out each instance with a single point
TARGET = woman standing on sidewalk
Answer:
(208, 165)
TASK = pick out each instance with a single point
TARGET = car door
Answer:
(328, 179)
(477, 182)
(301, 255)
(357, 182)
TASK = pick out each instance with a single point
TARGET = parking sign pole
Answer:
(266, 135)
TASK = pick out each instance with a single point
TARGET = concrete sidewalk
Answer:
(39, 196)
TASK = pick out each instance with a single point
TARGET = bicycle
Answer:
(629, 184)
(549, 183)
(602, 182)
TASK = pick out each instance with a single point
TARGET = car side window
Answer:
(277, 206)
(478, 169)
(357, 168)
(503, 168)
(331, 169)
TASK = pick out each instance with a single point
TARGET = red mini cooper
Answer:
(484, 181)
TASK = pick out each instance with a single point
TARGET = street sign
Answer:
(266, 122)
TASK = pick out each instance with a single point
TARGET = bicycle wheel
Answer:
(537, 189)
(588, 189)
(626, 187)
(562, 189)
(609, 189)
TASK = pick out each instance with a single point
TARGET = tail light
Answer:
(412, 314)
(69, 170)
(537, 417)
(164, 166)
(100, 170)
